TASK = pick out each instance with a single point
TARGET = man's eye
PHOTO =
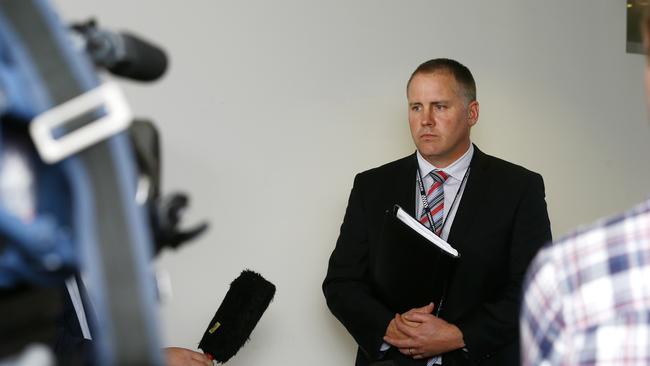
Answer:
(441, 107)
(416, 108)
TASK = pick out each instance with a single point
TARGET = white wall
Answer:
(271, 107)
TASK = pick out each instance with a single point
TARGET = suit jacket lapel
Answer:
(405, 186)
(473, 197)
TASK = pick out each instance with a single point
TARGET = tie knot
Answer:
(439, 176)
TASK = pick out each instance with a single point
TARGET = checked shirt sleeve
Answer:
(587, 297)
(541, 318)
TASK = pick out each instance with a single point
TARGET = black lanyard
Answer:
(425, 203)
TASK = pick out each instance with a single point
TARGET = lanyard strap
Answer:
(425, 202)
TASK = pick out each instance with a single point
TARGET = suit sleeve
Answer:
(495, 324)
(346, 288)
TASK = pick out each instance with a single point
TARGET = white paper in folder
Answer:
(425, 232)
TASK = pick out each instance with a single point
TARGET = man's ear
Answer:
(472, 113)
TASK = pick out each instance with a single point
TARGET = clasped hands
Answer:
(421, 335)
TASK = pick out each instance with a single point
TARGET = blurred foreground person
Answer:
(587, 297)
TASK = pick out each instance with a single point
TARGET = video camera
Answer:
(80, 183)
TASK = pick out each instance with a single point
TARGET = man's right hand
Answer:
(427, 309)
(393, 332)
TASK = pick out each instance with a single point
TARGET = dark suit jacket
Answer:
(500, 224)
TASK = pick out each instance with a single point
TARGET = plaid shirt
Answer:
(587, 297)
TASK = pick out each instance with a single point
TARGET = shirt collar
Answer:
(456, 169)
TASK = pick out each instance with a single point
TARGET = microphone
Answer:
(245, 302)
(123, 54)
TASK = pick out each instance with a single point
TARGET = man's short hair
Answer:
(459, 71)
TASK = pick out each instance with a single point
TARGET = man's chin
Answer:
(428, 151)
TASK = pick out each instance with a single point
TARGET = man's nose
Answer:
(428, 118)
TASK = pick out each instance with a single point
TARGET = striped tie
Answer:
(436, 200)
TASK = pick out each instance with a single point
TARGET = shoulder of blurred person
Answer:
(587, 295)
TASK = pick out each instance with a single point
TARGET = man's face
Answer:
(439, 118)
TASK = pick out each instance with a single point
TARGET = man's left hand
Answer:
(432, 336)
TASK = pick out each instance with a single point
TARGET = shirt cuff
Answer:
(384, 347)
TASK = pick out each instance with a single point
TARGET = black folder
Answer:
(412, 265)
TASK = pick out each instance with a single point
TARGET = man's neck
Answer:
(448, 160)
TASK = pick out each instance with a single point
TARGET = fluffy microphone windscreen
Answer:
(245, 302)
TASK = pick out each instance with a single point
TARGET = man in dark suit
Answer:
(493, 212)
